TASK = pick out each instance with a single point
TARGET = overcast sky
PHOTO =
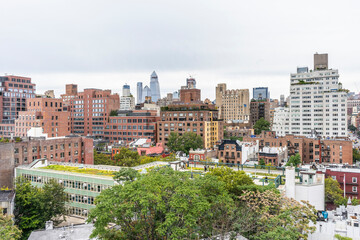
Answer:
(246, 44)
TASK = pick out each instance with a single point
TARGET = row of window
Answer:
(92, 187)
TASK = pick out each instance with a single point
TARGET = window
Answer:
(333, 177)
(354, 179)
(354, 189)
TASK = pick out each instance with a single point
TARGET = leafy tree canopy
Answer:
(233, 179)
(126, 174)
(261, 125)
(352, 128)
(294, 160)
(163, 204)
(34, 206)
(127, 158)
(356, 155)
(184, 142)
(8, 231)
(333, 192)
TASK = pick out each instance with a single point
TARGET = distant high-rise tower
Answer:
(146, 93)
(139, 92)
(282, 100)
(190, 83)
(261, 93)
(154, 87)
(126, 90)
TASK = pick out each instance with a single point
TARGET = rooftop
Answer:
(79, 232)
(6, 195)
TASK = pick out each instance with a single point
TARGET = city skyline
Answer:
(241, 47)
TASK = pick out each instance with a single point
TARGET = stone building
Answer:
(233, 104)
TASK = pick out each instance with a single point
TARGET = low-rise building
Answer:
(7, 201)
(347, 177)
(201, 154)
(311, 150)
(276, 156)
(231, 151)
(81, 188)
(74, 149)
(311, 187)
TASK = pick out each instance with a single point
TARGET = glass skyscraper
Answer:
(154, 87)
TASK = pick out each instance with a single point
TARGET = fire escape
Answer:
(292, 150)
(325, 152)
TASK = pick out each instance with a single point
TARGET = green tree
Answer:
(268, 215)
(333, 192)
(339, 237)
(102, 159)
(233, 180)
(163, 204)
(54, 198)
(262, 162)
(8, 231)
(113, 113)
(261, 125)
(352, 128)
(127, 158)
(34, 206)
(126, 174)
(294, 160)
(356, 155)
(184, 142)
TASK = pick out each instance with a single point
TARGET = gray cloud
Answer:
(243, 43)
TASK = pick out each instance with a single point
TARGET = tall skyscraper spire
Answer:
(154, 87)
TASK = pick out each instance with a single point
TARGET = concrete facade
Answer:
(234, 104)
(318, 103)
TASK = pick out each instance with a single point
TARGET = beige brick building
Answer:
(233, 104)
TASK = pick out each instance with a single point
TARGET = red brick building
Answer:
(46, 113)
(14, 90)
(352, 179)
(128, 126)
(90, 111)
(72, 149)
(201, 119)
(311, 150)
(229, 152)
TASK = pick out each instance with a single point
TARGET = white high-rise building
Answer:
(155, 88)
(281, 124)
(126, 90)
(127, 101)
(317, 101)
